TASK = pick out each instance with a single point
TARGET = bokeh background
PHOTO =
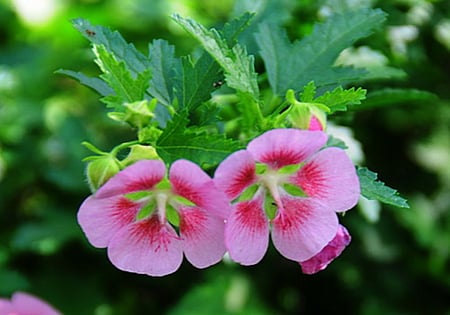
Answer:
(399, 259)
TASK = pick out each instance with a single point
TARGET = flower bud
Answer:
(140, 152)
(331, 251)
(304, 115)
(100, 169)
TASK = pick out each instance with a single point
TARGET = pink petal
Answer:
(27, 304)
(142, 175)
(302, 228)
(235, 173)
(334, 248)
(247, 232)
(146, 247)
(6, 307)
(281, 147)
(100, 219)
(331, 177)
(191, 182)
(202, 236)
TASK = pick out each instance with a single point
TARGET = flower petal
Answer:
(328, 253)
(146, 247)
(142, 175)
(100, 219)
(24, 303)
(331, 177)
(202, 236)
(282, 147)
(191, 182)
(302, 228)
(6, 307)
(235, 173)
(247, 232)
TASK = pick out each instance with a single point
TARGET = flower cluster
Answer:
(285, 184)
(25, 304)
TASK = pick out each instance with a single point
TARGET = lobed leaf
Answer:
(127, 89)
(180, 142)
(374, 189)
(236, 64)
(339, 99)
(293, 65)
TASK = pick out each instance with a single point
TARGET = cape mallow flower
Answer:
(287, 185)
(25, 304)
(147, 221)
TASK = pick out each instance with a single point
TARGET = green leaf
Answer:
(293, 65)
(178, 141)
(236, 64)
(165, 67)
(339, 99)
(197, 81)
(95, 83)
(114, 43)
(127, 88)
(373, 189)
(388, 97)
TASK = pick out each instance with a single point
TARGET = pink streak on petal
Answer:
(331, 177)
(26, 304)
(282, 147)
(202, 236)
(235, 173)
(191, 182)
(142, 175)
(100, 219)
(146, 247)
(328, 253)
(302, 228)
(247, 232)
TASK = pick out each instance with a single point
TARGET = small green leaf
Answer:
(339, 99)
(374, 189)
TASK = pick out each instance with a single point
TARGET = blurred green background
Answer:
(399, 259)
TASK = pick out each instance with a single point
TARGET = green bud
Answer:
(140, 152)
(100, 169)
(139, 114)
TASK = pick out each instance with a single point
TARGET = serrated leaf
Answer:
(293, 65)
(165, 67)
(374, 189)
(388, 97)
(236, 64)
(197, 81)
(127, 88)
(94, 83)
(339, 99)
(178, 141)
(114, 43)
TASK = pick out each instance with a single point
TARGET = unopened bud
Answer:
(140, 152)
(100, 169)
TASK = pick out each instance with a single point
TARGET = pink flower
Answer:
(334, 248)
(286, 185)
(25, 304)
(137, 213)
